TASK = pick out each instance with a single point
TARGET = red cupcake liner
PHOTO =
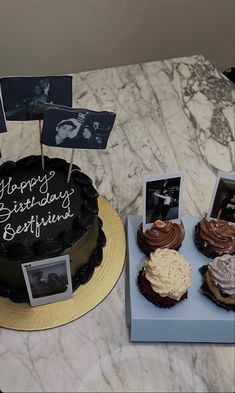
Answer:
(159, 301)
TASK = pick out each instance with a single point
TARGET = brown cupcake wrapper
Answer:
(204, 289)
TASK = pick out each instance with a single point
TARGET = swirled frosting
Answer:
(217, 235)
(222, 271)
(168, 273)
(163, 234)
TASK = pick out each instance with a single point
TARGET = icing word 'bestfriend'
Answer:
(35, 222)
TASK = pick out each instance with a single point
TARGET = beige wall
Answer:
(59, 36)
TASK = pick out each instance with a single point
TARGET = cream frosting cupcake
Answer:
(165, 278)
(219, 281)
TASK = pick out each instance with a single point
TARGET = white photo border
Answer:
(220, 175)
(163, 176)
(51, 298)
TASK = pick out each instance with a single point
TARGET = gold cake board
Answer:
(21, 316)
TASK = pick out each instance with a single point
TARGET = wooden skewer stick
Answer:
(41, 145)
(70, 166)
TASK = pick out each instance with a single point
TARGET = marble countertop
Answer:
(172, 115)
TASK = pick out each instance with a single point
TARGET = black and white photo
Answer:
(24, 97)
(48, 280)
(3, 127)
(77, 128)
(222, 204)
(161, 198)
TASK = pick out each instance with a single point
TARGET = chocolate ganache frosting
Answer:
(163, 234)
(41, 216)
(215, 237)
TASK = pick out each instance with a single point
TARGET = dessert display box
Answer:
(196, 319)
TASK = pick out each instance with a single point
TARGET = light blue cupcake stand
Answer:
(196, 319)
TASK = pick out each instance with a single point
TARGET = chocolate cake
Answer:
(41, 216)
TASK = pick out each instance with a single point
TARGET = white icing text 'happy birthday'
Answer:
(35, 223)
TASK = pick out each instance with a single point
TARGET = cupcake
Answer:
(219, 281)
(215, 237)
(163, 234)
(165, 278)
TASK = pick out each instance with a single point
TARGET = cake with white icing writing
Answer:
(41, 216)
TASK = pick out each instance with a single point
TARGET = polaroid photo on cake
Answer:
(162, 198)
(222, 204)
(48, 281)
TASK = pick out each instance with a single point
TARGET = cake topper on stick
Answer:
(222, 204)
(76, 129)
(25, 98)
(70, 165)
(162, 198)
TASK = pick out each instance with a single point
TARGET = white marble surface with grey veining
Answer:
(172, 115)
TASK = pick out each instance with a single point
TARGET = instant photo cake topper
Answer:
(162, 198)
(222, 204)
(76, 128)
(24, 97)
(48, 281)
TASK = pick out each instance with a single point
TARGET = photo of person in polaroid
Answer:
(48, 280)
(223, 203)
(162, 199)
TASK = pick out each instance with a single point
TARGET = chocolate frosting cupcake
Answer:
(163, 234)
(215, 237)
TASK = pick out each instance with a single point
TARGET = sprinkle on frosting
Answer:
(168, 273)
(222, 271)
